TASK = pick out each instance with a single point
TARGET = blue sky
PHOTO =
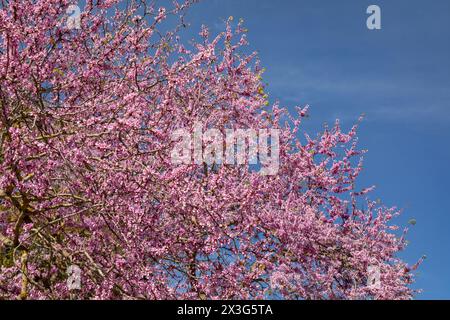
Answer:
(321, 53)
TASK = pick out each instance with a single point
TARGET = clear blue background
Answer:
(321, 53)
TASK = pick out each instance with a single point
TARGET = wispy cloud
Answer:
(382, 98)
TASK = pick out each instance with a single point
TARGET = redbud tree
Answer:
(87, 109)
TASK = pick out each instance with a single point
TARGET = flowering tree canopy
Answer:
(87, 114)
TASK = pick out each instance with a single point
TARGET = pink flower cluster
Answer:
(86, 176)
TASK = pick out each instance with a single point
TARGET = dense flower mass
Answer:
(86, 177)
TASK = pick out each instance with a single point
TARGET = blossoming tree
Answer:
(86, 177)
